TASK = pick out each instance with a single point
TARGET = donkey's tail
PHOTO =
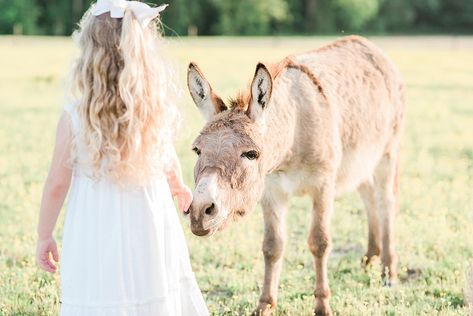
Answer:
(396, 188)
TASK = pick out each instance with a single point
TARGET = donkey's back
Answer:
(354, 68)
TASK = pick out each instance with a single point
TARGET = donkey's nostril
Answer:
(209, 210)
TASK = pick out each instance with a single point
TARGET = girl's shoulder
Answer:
(71, 108)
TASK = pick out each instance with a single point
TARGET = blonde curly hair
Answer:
(123, 88)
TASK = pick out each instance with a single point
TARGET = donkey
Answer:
(319, 123)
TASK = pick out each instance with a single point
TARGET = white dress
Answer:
(124, 251)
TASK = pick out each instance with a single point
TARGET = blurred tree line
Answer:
(258, 17)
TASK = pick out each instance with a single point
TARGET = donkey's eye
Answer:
(251, 155)
(196, 150)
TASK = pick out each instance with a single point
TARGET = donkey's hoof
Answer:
(323, 312)
(263, 309)
(389, 282)
(323, 309)
(369, 259)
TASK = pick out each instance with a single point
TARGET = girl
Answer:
(124, 251)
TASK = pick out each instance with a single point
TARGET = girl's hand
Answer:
(44, 248)
(184, 197)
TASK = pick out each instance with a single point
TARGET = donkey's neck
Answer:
(279, 130)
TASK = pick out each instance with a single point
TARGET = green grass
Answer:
(434, 227)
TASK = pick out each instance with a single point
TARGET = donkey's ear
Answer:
(261, 89)
(202, 93)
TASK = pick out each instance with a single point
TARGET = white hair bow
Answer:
(143, 12)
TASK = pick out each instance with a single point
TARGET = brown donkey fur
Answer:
(319, 123)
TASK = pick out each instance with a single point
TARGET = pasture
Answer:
(434, 230)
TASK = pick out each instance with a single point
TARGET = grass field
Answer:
(434, 227)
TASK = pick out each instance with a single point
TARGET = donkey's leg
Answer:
(274, 210)
(386, 200)
(368, 195)
(320, 245)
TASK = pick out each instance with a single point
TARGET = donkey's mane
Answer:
(243, 98)
(241, 101)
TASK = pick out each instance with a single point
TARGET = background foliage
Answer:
(259, 17)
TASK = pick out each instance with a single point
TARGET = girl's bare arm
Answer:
(176, 184)
(54, 193)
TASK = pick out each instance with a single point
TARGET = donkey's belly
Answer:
(356, 167)
(293, 182)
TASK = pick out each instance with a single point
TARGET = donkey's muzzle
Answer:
(203, 218)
